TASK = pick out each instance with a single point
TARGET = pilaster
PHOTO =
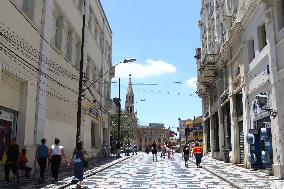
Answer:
(42, 80)
(275, 99)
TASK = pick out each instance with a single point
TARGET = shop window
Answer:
(93, 138)
(261, 33)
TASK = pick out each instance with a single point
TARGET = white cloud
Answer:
(192, 82)
(148, 69)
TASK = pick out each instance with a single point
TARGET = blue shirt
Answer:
(42, 151)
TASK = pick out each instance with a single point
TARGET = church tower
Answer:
(129, 102)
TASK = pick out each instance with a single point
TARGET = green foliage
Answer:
(128, 126)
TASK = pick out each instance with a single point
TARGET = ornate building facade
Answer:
(40, 53)
(240, 81)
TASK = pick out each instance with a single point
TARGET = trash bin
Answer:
(226, 154)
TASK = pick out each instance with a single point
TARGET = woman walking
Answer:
(154, 150)
(56, 152)
(80, 156)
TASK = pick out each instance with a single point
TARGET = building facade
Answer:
(240, 80)
(40, 53)
(154, 131)
(195, 130)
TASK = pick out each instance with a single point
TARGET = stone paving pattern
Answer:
(64, 175)
(141, 172)
(244, 178)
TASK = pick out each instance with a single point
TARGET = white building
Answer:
(40, 53)
(240, 80)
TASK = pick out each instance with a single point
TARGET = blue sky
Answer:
(162, 35)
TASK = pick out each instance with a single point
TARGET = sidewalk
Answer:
(65, 174)
(240, 177)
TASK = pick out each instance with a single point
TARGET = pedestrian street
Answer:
(141, 172)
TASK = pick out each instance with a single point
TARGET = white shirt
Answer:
(56, 150)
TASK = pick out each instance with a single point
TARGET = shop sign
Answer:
(94, 112)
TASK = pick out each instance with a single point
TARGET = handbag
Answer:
(4, 158)
(85, 163)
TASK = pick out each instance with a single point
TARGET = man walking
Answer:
(186, 152)
(41, 157)
(197, 150)
(154, 150)
(11, 162)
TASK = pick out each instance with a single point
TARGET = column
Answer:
(221, 133)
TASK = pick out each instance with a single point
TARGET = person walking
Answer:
(23, 160)
(169, 150)
(186, 152)
(154, 150)
(104, 149)
(56, 153)
(134, 149)
(79, 155)
(118, 149)
(41, 157)
(197, 150)
(11, 162)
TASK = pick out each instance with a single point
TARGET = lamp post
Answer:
(81, 77)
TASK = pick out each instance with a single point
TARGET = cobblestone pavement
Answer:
(244, 178)
(65, 173)
(141, 172)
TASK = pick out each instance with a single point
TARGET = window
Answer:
(222, 32)
(58, 33)
(261, 34)
(69, 45)
(28, 8)
(78, 55)
(280, 13)
(251, 50)
(235, 4)
(238, 71)
(90, 21)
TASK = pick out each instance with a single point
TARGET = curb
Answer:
(221, 177)
(95, 172)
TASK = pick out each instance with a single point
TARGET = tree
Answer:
(128, 126)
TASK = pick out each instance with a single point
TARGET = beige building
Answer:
(40, 52)
(154, 131)
(240, 80)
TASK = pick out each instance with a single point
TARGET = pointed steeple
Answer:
(129, 89)
(129, 101)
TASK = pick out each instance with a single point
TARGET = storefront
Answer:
(8, 128)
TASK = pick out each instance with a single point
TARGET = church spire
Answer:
(129, 101)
